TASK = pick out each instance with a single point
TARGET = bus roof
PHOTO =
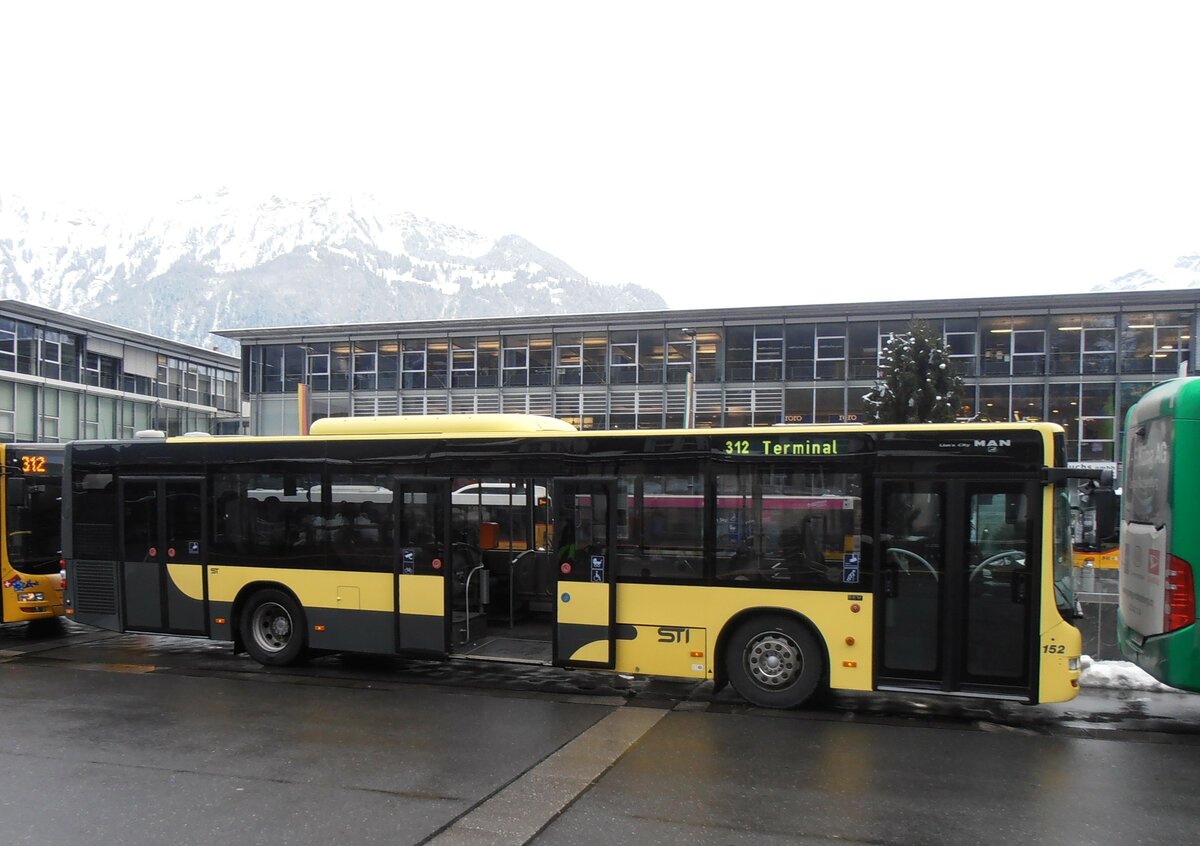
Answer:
(1178, 398)
(440, 424)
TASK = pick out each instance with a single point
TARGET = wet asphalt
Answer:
(140, 739)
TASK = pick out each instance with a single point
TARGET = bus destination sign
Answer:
(793, 446)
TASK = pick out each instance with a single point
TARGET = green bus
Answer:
(1160, 535)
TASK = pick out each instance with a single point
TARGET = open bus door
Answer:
(585, 598)
(423, 565)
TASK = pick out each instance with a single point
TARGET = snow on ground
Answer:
(1118, 675)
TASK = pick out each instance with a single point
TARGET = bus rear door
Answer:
(585, 600)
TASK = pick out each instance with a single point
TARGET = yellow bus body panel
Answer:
(674, 621)
(423, 595)
(189, 579)
(1060, 642)
(314, 588)
(589, 604)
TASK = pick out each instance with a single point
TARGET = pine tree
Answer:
(917, 380)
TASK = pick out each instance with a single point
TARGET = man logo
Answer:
(993, 444)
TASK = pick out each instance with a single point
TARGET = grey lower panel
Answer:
(143, 595)
(574, 636)
(422, 633)
(184, 614)
(351, 630)
(221, 611)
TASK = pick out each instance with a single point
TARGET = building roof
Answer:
(888, 310)
(72, 322)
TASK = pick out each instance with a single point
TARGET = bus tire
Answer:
(773, 661)
(273, 628)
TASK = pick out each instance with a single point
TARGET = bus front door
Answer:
(958, 570)
(421, 511)
(162, 568)
(585, 596)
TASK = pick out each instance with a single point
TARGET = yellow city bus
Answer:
(779, 560)
(31, 513)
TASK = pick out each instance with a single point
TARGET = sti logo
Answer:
(992, 445)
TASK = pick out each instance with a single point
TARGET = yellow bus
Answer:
(31, 512)
(780, 560)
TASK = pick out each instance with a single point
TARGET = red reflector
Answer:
(1179, 609)
(70, 610)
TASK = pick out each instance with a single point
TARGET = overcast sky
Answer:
(720, 154)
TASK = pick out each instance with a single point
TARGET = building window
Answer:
(101, 371)
(709, 355)
(1155, 342)
(1027, 403)
(680, 355)
(1014, 346)
(462, 363)
(318, 366)
(801, 354)
(650, 357)
(541, 361)
(365, 365)
(487, 362)
(568, 354)
(8, 346)
(623, 358)
(962, 338)
(831, 351)
(864, 341)
(412, 364)
(515, 358)
(768, 353)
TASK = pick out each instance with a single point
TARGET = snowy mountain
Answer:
(1184, 274)
(221, 262)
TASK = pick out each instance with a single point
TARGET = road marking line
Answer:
(520, 810)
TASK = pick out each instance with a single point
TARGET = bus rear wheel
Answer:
(774, 662)
(272, 628)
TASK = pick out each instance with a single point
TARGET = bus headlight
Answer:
(31, 597)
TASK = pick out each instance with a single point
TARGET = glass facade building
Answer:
(1078, 360)
(66, 378)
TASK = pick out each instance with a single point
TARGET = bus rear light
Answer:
(1073, 664)
(62, 573)
(1180, 607)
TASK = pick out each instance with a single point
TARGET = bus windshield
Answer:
(33, 515)
(1064, 588)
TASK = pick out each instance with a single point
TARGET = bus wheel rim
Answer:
(272, 626)
(773, 660)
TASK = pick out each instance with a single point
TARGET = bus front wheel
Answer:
(773, 661)
(273, 628)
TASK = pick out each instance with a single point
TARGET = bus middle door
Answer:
(163, 573)
(585, 599)
(421, 514)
